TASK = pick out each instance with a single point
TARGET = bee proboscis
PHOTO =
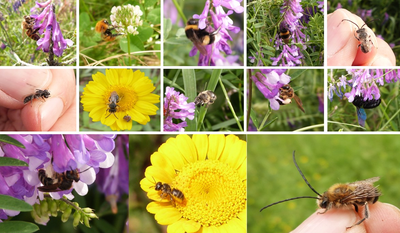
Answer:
(112, 103)
(200, 37)
(205, 98)
(286, 93)
(104, 28)
(359, 193)
(363, 37)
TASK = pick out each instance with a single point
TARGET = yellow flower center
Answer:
(127, 97)
(214, 192)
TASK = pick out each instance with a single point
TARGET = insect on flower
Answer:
(28, 25)
(167, 192)
(359, 193)
(105, 28)
(200, 37)
(363, 37)
(286, 93)
(362, 104)
(112, 105)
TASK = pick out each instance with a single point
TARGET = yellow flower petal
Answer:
(217, 144)
(201, 142)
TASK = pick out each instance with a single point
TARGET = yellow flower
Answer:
(134, 101)
(211, 174)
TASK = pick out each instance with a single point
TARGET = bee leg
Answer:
(356, 207)
(366, 215)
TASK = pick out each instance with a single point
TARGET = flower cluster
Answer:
(223, 23)
(363, 82)
(47, 24)
(126, 19)
(290, 55)
(132, 101)
(268, 81)
(176, 107)
(53, 153)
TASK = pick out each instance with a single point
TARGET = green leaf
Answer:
(145, 32)
(136, 44)
(149, 3)
(11, 203)
(189, 82)
(6, 161)
(167, 28)
(10, 140)
(18, 227)
(154, 16)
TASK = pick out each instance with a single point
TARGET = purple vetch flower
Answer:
(114, 181)
(171, 12)
(17, 4)
(321, 5)
(290, 56)
(53, 153)
(321, 103)
(268, 82)
(47, 23)
(177, 107)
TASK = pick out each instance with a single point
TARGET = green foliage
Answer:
(145, 46)
(17, 227)
(21, 50)
(308, 86)
(9, 140)
(86, 123)
(263, 20)
(387, 29)
(343, 115)
(324, 160)
(11, 203)
(226, 113)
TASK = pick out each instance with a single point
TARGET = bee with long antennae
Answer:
(359, 193)
(363, 37)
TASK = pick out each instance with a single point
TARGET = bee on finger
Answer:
(200, 37)
(286, 93)
(363, 37)
(39, 94)
(104, 28)
(359, 193)
(28, 25)
(112, 104)
(205, 98)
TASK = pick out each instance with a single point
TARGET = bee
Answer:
(363, 37)
(362, 104)
(53, 181)
(127, 118)
(112, 103)
(200, 37)
(285, 34)
(286, 93)
(359, 193)
(167, 191)
(28, 25)
(105, 28)
(205, 97)
(39, 94)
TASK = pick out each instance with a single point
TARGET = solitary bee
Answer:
(359, 193)
(28, 25)
(286, 93)
(363, 37)
(168, 192)
(205, 97)
(104, 28)
(39, 94)
(362, 104)
(112, 104)
(200, 37)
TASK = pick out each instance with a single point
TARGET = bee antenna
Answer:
(294, 198)
(85, 169)
(351, 22)
(302, 175)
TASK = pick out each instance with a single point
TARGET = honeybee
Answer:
(167, 191)
(105, 28)
(28, 25)
(363, 37)
(362, 104)
(359, 193)
(205, 97)
(127, 118)
(200, 37)
(286, 93)
(112, 105)
(39, 94)
(285, 34)
(54, 182)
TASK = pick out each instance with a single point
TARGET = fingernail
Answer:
(50, 111)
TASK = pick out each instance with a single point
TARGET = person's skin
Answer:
(343, 47)
(383, 218)
(56, 113)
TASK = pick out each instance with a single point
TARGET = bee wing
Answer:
(363, 189)
(197, 42)
(298, 102)
(369, 180)
(49, 188)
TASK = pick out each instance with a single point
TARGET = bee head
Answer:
(323, 201)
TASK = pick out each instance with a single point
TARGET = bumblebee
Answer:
(104, 28)
(112, 104)
(359, 193)
(205, 98)
(200, 37)
(285, 34)
(28, 25)
(39, 94)
(363, 37)
(286, 93)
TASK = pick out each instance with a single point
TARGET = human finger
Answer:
(383, 218)
(385, 55)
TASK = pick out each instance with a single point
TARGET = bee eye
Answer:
(324, 203)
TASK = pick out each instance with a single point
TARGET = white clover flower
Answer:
(126, 18)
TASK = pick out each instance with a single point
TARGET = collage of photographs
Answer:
(311, 86)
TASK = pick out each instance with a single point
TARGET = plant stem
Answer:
(129, 49)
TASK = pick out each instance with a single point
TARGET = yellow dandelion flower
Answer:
(204, 184)
(120, 97)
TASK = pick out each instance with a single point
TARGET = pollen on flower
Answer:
(214, 192)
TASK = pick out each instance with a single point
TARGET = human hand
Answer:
(342, 45)
(383, 218)
(56, 113)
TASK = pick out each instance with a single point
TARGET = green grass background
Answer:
(324, 160)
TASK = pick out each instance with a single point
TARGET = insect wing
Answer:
(362, 116)
(49, 188)
(197, 42)
(298, 102)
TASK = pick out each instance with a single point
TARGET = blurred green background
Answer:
(342, 115)
(308, 85)
(324, 160)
